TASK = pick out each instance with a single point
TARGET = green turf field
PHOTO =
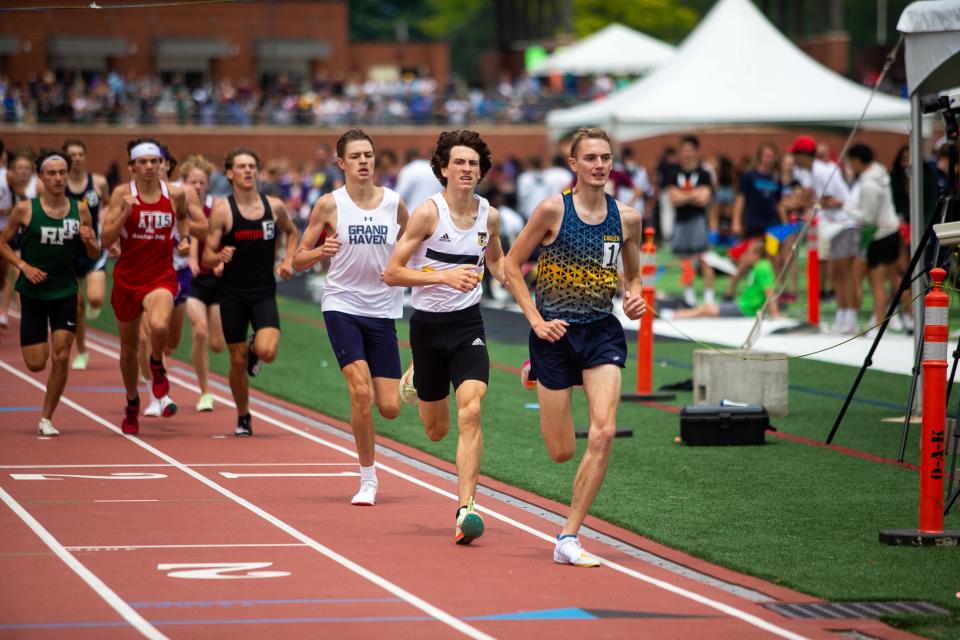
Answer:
(794, 514)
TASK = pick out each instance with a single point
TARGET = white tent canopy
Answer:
(735, 68)
(615, 50)
(932, 35)
(931, 32)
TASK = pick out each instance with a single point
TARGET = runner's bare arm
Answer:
(539, 229)
(423, 222)
(493, 256)
(101, 186)
(213, 255)
(19, 217)
(631, 222)
(285, 268)
(121, 203)
(87, 232)
(322, 218)
(403, 216)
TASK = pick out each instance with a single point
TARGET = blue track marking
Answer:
(12, 409)
(564, 613)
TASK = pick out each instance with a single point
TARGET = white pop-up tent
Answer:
(931, 33)
(735, 68)
(615, 50)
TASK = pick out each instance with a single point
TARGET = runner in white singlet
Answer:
(360, 223)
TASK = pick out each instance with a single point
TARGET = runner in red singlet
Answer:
(142, 215)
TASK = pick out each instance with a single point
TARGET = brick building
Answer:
(207, 42)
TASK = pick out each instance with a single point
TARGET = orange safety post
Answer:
(648, 273)
(813, 275)
(933, 431)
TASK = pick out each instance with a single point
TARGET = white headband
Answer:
(145, 149)
(53, 157)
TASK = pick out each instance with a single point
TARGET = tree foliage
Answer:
(665, 19)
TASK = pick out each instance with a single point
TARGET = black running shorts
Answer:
(447, 348)
(35, 315)
(205, 288)
(238, 310)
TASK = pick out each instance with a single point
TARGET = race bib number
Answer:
(269, 229)
(611, 251)
(71, 228)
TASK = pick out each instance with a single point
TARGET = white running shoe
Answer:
(408, 392)
(205, 402)
(45, 428)
(92, 313)
(3, 321)
(164, 406)
(153, 409)
(569, 551)
(367, 496)
(895, 324)
(80, 361)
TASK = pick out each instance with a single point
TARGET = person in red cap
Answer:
(839, 235)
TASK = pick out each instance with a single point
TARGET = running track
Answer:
(189, 532)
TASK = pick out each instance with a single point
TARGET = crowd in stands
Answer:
(112, 98)
(708, 210)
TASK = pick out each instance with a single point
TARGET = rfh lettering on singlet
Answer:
(367, 233)
(56, 235)
(152, 222)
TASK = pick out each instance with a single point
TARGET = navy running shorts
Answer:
(205, 287)
(560, 364)
(184, 279)
(373, 340)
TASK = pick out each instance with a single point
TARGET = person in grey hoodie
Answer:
(871, 203)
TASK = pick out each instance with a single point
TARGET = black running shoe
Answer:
(244, 426)
(253, 361)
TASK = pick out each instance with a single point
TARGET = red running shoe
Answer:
(525, 380)
(131, 420)
(161, 386)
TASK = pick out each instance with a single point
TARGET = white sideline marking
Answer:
(383, 583)
(126, 611)
(749, 618)
(135, 547)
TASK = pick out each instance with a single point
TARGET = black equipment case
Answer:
(712, 424)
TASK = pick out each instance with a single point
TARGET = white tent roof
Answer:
(933, 44)
(615, 49)
(734, 69)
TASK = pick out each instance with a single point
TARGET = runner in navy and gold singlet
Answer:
(575, 339)
(56, 231)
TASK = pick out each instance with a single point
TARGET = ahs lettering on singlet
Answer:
(367, 233)
(153, 223)
(56, 235)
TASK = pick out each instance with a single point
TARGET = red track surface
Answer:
(86, 557)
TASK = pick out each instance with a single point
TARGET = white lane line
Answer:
(383, 583)
(186, 464)
(126, 611)
(134, 547)
(749, 618)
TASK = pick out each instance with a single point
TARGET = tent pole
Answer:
(916, 214)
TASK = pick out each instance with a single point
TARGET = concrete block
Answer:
(754, 377)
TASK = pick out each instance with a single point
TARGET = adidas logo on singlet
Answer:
(444, 238)
(478, 342)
